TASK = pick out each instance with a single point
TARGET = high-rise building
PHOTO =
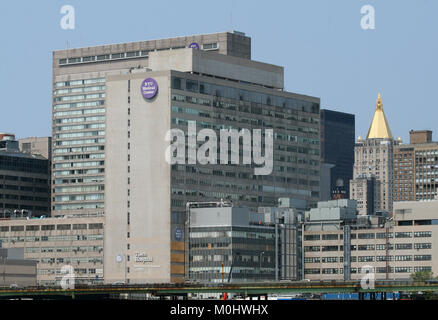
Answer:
(79, 107)
(146, 197)
(24, 181)
(337, 148)
(416, 168)
(374, 157)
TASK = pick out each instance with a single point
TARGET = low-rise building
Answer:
(24, 180)
(392, 247)
(227, 243)
(15, 271)
(55, 242)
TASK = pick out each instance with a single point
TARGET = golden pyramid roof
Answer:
(379, 128)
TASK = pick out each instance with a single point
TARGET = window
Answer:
(88, 59)
(192, 85)
(48, 227)
(312, 271)
(312, 248)
(132, 54)
(422, 246)
(312, 237)
(103, 57)
(329, 237)
(210, 46)
(365, 235)
(95, 226)
(403, 246)
(363, 247)
(403, 234)
(330, 248)
(330, 271)
(177, 83)
(365, 258)
(423, 234)
(80, 226)
(425, 257)
(403, 258)
(63, 227)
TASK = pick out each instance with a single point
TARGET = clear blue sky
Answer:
(320, 43)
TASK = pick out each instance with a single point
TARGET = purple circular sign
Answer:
(149, 88)
(194, 45)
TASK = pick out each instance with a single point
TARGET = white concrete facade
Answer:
(145, 194)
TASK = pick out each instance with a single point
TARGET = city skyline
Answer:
(328, 56)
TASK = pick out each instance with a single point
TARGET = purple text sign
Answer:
(194, 45)
(149, 88)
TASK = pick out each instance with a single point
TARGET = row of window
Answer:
(220, 116)
(122, 55)
(24, 179)
(84, 179)
(80, 97)
(79, 90)
(79, 82)
(53, 238)
(80, 156)
(74, 249)
(80, 226)
(80, 119)
(26, 198)
(73, 260)
(242, 175)
(78, 164)
(81, 171)
(242, 95)
(377, 270)
(79, 206)
(80, 127)
(79, 149)
(215, 126)
(78, 134)
(80, 197)
(77, 271)
(23, 188)
(74, 142)
(78, 112)
(80, 189)
(426, 257)
(370, 247)
(417, 234)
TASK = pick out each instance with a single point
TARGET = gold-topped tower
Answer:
(379, 128)
(372, 183)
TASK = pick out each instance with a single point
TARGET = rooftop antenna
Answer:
(231, 20)
(66, 44)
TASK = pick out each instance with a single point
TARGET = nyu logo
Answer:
(149, 88)
(207, 152)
